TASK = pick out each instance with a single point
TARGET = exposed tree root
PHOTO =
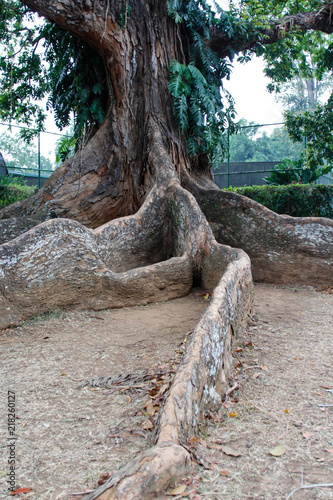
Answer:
(197, 387)
(158, 254)
(153, 255)
(283, 249)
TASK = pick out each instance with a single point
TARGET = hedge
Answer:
(298, 200)
(12, 190)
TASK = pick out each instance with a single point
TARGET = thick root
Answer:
(198, 386)
(283, 249)
(156, 254)
(152, 256)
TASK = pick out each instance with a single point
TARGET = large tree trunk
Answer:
(113, 174)
(127, 227)
(136, 167)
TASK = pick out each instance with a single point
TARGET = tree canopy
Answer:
(39, 60)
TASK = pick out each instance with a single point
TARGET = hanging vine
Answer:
(202, 108)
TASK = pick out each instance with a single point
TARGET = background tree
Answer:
(300, 69)
(22, 155)
(250, 144)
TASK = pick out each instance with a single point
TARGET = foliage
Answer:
(198, 103)
(39, 60)
(317, 128)
(289, 172)
(196, 87)
(13, 189)
(199, 110)
(298, 200)
(304, 59)
(66, 148)
(317, 159)
(247, 146)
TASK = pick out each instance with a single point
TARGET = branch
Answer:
(310, 486)
(84, 18)
(321, 20)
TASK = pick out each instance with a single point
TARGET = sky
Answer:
(247, 85)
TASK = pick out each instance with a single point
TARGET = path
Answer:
(69, 437)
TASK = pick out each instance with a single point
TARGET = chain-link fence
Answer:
(34, 160)
(253, 152)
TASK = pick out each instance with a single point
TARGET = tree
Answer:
(21, 155)
(246, 147)
(143, 182)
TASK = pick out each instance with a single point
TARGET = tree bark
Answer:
(320, 20)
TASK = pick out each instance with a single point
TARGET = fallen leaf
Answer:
(233, 414)
(206, 297)
(308, 435)
(277, 451)
(287, 410)
(178, 491)
(256, 375)
(231, 451)
(147, 425)
(63, 374)
(264, 367)
(329, 450)
(103, 479)
(164, 388)
(225, 473)
(150, 408)
(20, 490)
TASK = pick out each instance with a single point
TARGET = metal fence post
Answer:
(38, 160)
(228, 145)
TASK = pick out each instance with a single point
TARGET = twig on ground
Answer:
(229, 391)
(232, 477)
(310, 486)
(322, 405)
(81, 493)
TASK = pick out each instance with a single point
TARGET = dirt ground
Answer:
(70, 433)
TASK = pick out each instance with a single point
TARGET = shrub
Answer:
(13, 189)
(298, 200)
(291, 171)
